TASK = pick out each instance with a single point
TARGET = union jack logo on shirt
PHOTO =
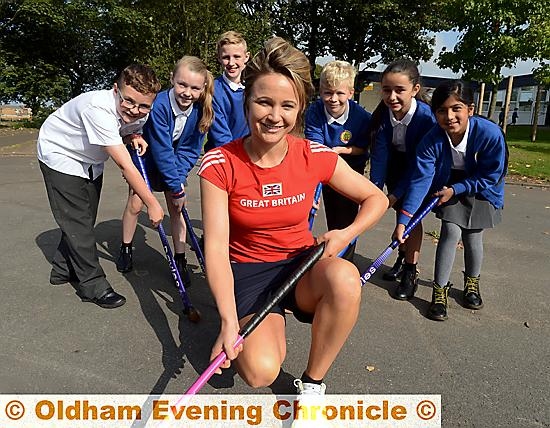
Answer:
(274, 189)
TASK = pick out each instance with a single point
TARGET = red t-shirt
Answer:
(269, 207)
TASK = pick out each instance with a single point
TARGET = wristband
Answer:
(408, 214)
(178, 195)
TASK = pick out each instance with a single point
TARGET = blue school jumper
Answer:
(422, 121)
(485, 166)
(229, 120)
(354, 132)
(172, 160)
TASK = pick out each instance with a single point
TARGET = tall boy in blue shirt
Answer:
(229, 120)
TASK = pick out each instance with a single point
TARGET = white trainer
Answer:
(305, 388)
(309, 405)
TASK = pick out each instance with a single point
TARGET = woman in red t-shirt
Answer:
(256, 195)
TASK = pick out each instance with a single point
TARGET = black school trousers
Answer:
(74, 202)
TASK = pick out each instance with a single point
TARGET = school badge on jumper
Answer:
(345, 136)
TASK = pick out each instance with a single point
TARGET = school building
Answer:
(524, 94)
(524, 90)
(14, 113)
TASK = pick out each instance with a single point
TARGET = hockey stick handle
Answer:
(316, 198)
(258, 317)
(386, 253)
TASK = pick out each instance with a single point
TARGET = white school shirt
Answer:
(72, 139)
(459, 151)
(340, 120)
(180, 116)
(232, 85)
(400, 128)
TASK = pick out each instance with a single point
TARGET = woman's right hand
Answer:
(225, 341)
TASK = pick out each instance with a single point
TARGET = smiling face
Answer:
(398, 92)
(188, 86)
(233, 58)
(131, 104)
(336, 98)
(273, 108)
(453, 117)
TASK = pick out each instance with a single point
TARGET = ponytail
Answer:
(206, 101)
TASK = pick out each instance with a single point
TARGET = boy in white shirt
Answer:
(73, 144)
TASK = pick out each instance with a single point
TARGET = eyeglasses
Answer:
(142, 108)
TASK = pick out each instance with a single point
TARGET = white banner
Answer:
(106, 411)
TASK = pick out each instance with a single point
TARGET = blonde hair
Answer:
(196, 65)
(279, 56)
(335, 73)
(230, 38)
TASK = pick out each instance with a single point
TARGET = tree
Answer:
(494, 34)
(302, 22)
(356, 30)
(382, 31)
(188, 27)
(55, 50)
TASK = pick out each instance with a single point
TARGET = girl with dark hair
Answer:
(398, 124)
(462, 161)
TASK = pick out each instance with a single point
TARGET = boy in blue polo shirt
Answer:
(337, 121)
(229, 120)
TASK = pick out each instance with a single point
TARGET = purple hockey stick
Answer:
(313, 211)
(290, 282)
(386, 253)
(194, 240)
(316, 198)
(192, 314)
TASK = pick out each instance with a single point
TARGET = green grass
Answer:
(526, 158)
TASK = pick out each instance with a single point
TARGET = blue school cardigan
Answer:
(422, 121)
(172, 160)
(485, 166)
(229, 120)
(354, 132)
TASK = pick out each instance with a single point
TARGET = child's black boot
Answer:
(471, 295)
(438, 307)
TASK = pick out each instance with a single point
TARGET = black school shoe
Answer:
(109, 300)
(181, 265)
(397, 269)
(408, 285)
(124, 262)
